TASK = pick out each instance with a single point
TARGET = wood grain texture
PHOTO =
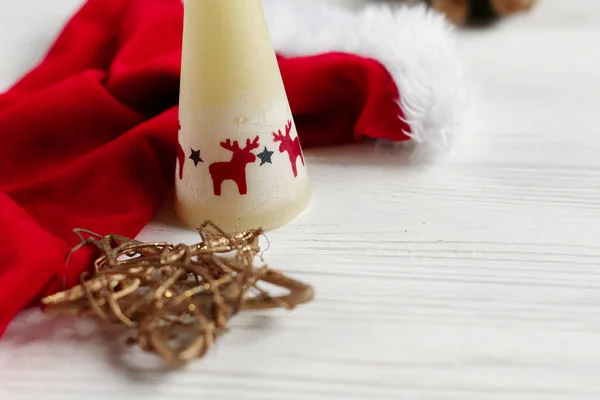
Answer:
(474, 277)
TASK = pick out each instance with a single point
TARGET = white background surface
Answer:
(473, 278)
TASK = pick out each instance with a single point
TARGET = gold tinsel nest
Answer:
(177, 298)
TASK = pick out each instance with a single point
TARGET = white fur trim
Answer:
(414, 43)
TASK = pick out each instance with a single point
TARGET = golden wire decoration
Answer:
(177, 298)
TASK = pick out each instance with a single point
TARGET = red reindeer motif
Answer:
(292, 147)
(180, 155)
(180, 159)
(235, 169)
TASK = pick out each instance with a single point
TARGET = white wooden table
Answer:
(476, 277)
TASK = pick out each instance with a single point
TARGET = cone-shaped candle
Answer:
(240, 162)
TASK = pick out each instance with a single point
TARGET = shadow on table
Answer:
(65, 336)
(68, 338)
(370, 154)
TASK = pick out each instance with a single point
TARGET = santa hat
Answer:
(89, 135)
(415, 44)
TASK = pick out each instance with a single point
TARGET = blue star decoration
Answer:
(265, 157)
(195, 157)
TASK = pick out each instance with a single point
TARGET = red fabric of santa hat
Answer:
(89, 135)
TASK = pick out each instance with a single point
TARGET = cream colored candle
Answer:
(240, 163)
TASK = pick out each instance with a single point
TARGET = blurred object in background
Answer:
(459, 12)
(463, 12)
